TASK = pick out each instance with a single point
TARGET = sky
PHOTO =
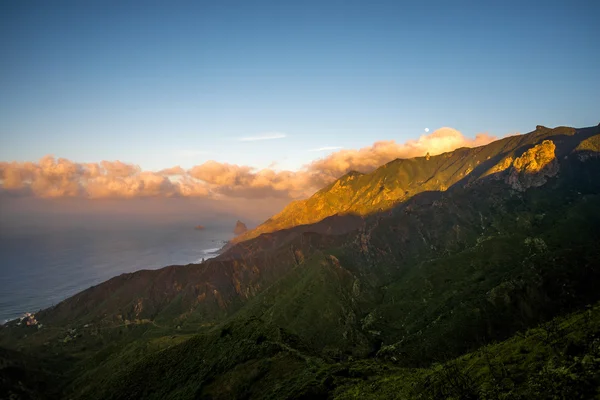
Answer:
(227, 89)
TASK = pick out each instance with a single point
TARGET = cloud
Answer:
(368, 158)
(189, 187)
(242, 181)
(221, 173)
(51, 177)
(173, 171)
(48, 178)
(326, 148)
(264, 136)
(120, 169)
(145, 184)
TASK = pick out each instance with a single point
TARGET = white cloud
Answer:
(325, 148)
(264, 136)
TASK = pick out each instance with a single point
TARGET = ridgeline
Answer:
(471, 274)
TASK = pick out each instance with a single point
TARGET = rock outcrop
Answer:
(534, 167)
(240, 228)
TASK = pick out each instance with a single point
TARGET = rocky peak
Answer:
(533, 167)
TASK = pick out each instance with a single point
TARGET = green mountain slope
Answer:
(488, 269)
(207, 292)
(252, 359)
(319, 310)
(559, 359)
(399, 180)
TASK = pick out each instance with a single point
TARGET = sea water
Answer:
(43, 265)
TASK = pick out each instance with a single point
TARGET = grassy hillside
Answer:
(251, 359)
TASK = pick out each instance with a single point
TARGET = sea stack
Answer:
(240, 228)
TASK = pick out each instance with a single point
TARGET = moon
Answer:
(426, 129)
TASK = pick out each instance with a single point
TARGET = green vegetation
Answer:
(253, 359)
(479, 290)
(560, 359)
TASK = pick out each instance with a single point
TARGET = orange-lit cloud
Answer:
(173, 171)
(371, 157)
(222, 174)
(51, 177)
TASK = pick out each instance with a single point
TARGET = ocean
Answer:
(43, 265)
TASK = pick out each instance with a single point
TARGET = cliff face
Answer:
(534, 167)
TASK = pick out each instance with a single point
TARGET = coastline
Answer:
(92, 266)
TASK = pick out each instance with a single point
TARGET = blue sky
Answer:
(165, 83)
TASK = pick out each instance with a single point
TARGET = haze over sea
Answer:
(45, 261)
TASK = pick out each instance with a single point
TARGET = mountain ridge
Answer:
(244, 268)
(508, 246)
(407, 178)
